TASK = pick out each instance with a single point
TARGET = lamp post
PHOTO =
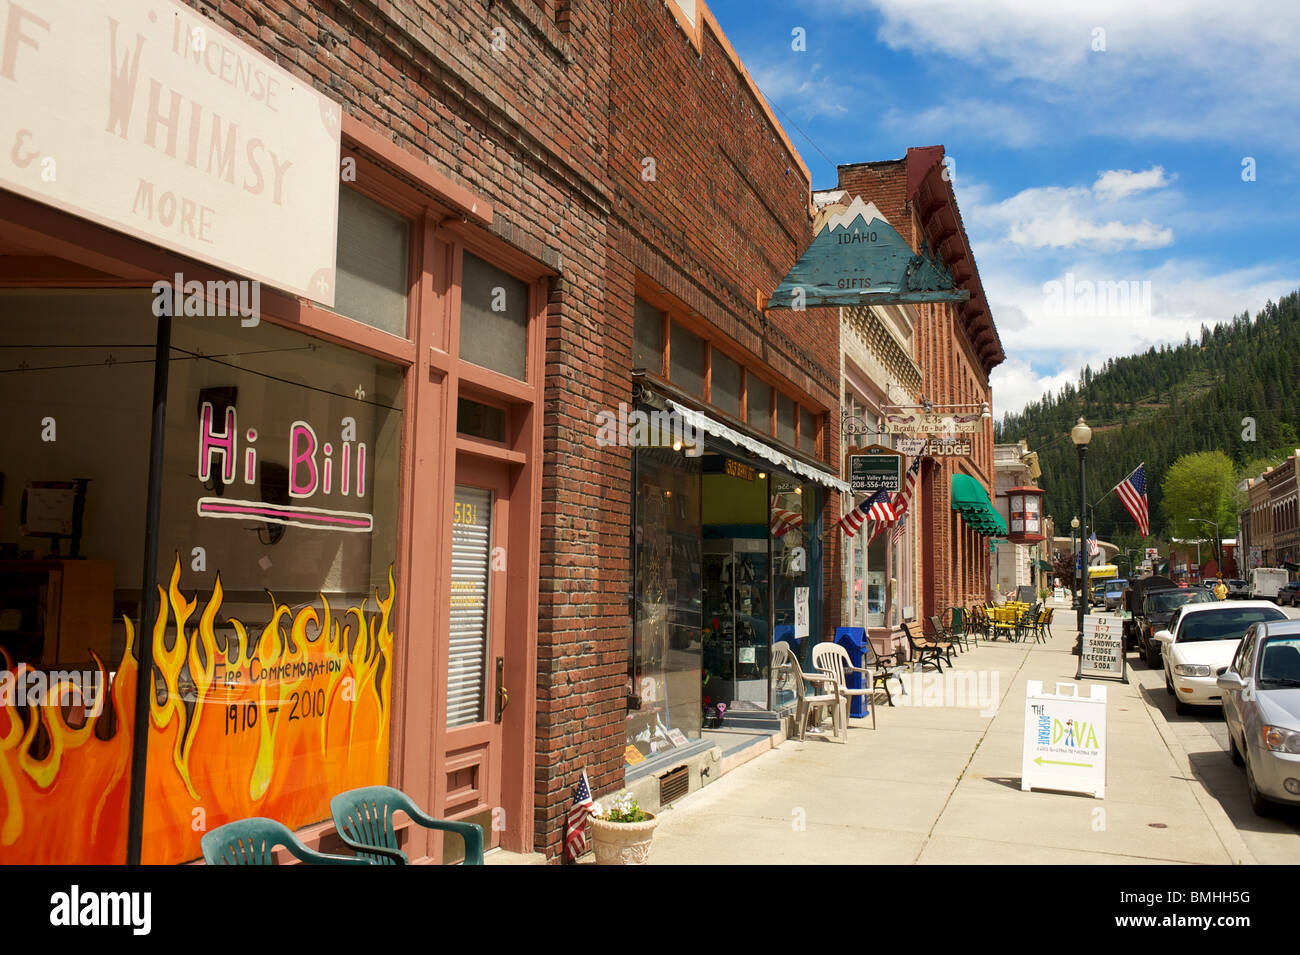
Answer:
(1081, 434)
(1074, 554)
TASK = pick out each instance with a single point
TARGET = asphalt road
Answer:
(1205, 737)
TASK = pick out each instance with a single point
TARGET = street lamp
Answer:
(1081, 434)
(1218, 556)
(1074, 552)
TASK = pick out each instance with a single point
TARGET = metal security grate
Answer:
(674, 784)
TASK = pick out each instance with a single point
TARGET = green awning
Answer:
(970, 498)
(1044, 565)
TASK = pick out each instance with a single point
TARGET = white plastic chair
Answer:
(785, 667)
(833, 660)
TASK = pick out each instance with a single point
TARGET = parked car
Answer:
(1261, 705)
(1289, 595)
(1200, 641)
(1238, 589)
(1157, 609)
(1098, 597)
(1133, 597)
(1113, 594)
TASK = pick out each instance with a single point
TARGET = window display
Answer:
(664, 669)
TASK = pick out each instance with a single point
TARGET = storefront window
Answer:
(759, 405)
(372, 263)
(725, 384)
(876, 580)
(785, 417)
(274, 664)
(493, 318)
(664, 683)
(793, 515)
(807, 431)
(76, 379)
(648, 346)
(686, 365)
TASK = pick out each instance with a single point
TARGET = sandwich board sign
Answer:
(1101, 655)
(1065, 740)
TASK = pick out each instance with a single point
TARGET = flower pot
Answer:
(623, 843)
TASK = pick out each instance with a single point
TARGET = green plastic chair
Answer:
(252, 842)
(364, 819)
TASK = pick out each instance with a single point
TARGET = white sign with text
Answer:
(1065, 740)
(147, 117)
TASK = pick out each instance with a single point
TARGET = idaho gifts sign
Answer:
(1065, 740)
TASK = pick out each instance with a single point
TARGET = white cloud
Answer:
(1067, 217)
(1015, 383)
(1185, 69)
(1118, 183)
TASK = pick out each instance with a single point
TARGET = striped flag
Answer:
(783, 521)
(1093, 547)
(575, 836)
(902, 500)
(1132, 493)
(875, 507)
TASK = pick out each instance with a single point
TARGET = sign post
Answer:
(1065, 740)
(1102, 653)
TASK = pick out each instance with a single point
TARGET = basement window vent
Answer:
(674, 784)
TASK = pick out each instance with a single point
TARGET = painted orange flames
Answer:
(270, 723)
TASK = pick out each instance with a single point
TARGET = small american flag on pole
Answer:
(1132, 493)
(876, 507)
(575, 836)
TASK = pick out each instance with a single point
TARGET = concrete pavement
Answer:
(938, 781)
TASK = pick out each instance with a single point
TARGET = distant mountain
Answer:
(1169, 401)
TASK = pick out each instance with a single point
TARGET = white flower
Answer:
(598, 810)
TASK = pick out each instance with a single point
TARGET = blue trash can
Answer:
(854, 640)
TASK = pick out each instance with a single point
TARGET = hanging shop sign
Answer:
(874, 468)
(858, 258)
(912, 447)
(1102, 653)
(149, 118)
(1065, 740)
(946, 448)
(948, 425)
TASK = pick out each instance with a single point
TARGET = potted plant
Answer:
(621, 832)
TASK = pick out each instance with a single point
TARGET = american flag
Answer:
(783, 521)
(901, 501)
(1132, 493)
(575, 836)
(1093, 547)
(875, 507)
(897, 530)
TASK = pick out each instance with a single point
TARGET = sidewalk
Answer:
(937, 783)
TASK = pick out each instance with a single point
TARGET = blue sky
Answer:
(1073, 166)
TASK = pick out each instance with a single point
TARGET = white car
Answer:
(1201, 640)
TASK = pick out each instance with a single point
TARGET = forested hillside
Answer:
(1167, 402)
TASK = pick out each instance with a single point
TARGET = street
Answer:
(938, 782)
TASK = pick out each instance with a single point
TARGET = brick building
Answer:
(710, 208)
(475, 227)
(957, 346)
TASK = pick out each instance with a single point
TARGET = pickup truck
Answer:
(1158, 606)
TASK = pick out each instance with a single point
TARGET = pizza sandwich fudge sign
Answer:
(147, 117)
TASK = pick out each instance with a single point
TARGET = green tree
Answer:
(1201, 485)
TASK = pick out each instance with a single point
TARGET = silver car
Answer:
(1261, 705)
